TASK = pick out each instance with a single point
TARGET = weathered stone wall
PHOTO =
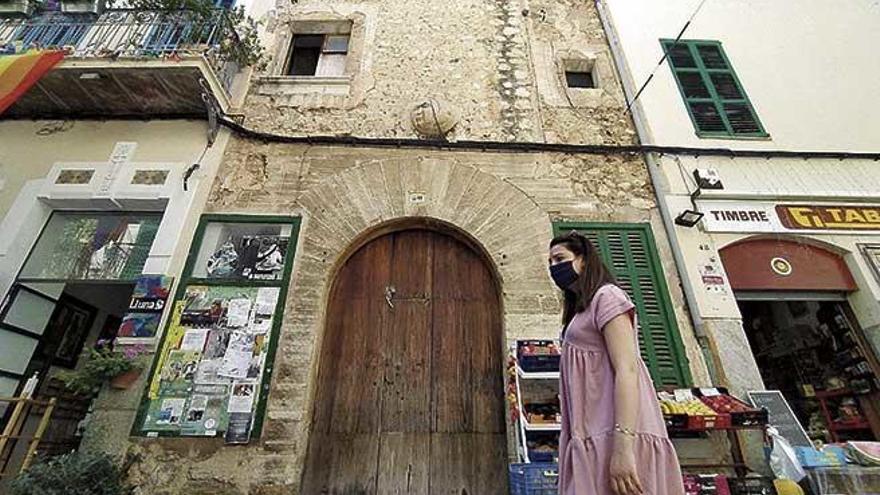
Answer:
(498, 63)
(505, 201)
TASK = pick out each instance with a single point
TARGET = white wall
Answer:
(810, 67)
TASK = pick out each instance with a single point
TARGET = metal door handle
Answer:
(389, 295)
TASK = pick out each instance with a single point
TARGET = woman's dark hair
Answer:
(595, 274)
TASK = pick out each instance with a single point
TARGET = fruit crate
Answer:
(676, 421)
(751, 486)
(702, 484)
(708, 422)
(536, 356)
(534, 478)
(744, 415)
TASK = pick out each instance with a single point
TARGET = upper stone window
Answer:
(321, 55)
(577, 79)
(580, 73)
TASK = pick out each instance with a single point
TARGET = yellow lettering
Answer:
(799, 215)
(835, 214)
(873, 216)
(853, 216)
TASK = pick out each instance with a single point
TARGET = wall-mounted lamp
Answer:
(689, 218)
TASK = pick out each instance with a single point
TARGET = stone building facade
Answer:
(494, 68)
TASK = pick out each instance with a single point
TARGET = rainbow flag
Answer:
(19, 72)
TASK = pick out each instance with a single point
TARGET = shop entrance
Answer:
(73, 290)
(410, 386)
(810, 350)
(805, 337)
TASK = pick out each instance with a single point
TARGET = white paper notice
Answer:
(266, 299)
(194, 339)
(206, 373)
(170, 411)
(260, 326)
(237, 312)
(241, 400)
(237, 359)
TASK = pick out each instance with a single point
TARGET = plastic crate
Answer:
(715, 484)
(547, 457)
(718, 421)
(751, 486)
(536, 363)
(675, 421)
(536, 478)
(752, 417)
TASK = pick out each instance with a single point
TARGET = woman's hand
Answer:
(622, 472)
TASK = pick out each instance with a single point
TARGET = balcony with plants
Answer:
(152, 58)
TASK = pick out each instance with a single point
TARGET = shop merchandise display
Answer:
(812, 353)
(533, 398)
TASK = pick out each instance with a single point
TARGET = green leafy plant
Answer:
(102, 365)
(77, 473)
(241, 44)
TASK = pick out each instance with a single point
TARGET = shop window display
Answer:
(92, 246)
(812, 352)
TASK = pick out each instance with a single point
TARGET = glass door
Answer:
(23, 319)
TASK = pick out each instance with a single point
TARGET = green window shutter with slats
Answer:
(630, 253)
(712, 93)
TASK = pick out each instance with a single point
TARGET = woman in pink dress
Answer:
(613, 438)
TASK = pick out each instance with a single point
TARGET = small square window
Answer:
(318, 55)
(579, 79)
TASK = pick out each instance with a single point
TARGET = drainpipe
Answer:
(659, 182)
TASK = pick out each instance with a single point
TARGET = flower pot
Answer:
(125, 380)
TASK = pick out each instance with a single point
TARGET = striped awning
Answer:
(21, 71)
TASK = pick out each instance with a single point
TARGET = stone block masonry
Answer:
(496, 63)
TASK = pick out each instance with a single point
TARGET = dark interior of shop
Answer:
(811, 352)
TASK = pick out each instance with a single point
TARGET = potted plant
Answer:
(76, 472)
(105, 364)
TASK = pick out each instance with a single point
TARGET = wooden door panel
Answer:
(452, 377)
(406, 391)
(341, 464)
(486, 368)
(412, 264)
(468, 464)
(404, 463)
(410, 394)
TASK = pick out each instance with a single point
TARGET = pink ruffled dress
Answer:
(587, 399)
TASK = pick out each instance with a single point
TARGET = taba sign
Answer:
(756, 216)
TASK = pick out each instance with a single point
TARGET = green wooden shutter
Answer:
(713, 95)
(631, 254)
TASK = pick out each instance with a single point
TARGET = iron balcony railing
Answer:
(130, 34)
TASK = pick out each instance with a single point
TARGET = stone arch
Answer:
(343, 210)
(803, 239)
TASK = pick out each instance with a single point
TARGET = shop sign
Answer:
(756, 216)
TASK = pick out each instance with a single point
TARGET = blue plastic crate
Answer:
(536, 478)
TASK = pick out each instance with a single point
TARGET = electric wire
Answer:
(665, 56)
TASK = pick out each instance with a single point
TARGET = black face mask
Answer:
(563, 274)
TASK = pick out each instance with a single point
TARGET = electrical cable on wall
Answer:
(665, 56)
(195, 166)
(536, 147)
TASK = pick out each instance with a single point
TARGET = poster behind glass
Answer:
(242, 251)
(210, 367)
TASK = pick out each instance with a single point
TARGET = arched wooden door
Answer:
(410, 386)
